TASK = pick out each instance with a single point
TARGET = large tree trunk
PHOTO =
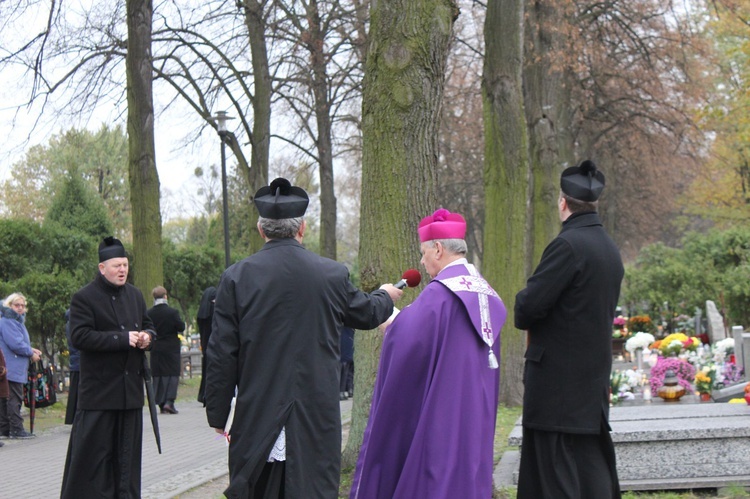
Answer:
(257, 175)
(506, 179)
(548, 114)
(403, 89)
(323, 143)
(142, 174)
(541, 82)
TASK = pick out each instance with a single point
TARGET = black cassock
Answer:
(568, 307)
(275, 334)
(104, 453)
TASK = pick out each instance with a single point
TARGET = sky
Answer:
(21, 127)
(177, 154)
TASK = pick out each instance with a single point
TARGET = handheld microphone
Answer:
(411, 278)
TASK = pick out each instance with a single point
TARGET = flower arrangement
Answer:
(639, 340)
(704, 380)
(723, 349)
(620, 327)
(732, 374)
(676, 343)
(641, 323)
(683, 370)
(621, 384)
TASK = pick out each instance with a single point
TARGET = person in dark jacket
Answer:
(204, 318)
(165, 352)
(567, 308)
(110, 328)
(16, 345)
(74, 366)
(275, 338)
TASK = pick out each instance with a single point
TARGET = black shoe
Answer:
(169, 409)
(1, 444)
(4, 435)
(21, 435)
(342, 396)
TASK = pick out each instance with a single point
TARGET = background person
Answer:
(568, 307)
(346, 383)
(166, 363)
(431, 429)
(110, 328)
(74, 367)
(275, 336)
(16, 346)
(204, 318)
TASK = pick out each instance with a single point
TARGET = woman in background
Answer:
(16, 347)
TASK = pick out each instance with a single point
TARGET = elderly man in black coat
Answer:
(110, 327)
(277, 321)
(165, 352)
(567, 308)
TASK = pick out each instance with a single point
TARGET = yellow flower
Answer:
(681, 337)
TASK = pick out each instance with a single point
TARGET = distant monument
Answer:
(716, 329)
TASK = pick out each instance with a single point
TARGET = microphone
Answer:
(411, 278)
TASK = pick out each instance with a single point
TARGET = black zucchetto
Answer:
(111, 248)
(583, 182)
(281, 200)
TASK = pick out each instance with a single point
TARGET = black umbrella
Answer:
(151, 402)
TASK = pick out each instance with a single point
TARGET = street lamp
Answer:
(221, 127)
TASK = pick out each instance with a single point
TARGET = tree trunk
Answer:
(548, 114)
(142, 174)
(506, 179)
(257, 175)
(323, 143)
(541, 82)
(403, 89)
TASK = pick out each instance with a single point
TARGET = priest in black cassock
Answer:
(567, 308)
(110, 328)
(277, 320)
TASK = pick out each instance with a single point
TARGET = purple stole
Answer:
(485, 308)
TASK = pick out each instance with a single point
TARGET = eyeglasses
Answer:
(19, 305)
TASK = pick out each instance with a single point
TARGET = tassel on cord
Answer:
(493, 360)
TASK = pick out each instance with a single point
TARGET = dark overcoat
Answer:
(165, 352)
(101, 316)
(275, 335)
(568, 307)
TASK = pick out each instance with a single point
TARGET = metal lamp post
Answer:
(221, 127)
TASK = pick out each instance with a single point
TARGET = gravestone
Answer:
(667, 445)
(742, 349)
(716, 330)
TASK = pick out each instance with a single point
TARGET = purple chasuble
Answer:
(432, 422)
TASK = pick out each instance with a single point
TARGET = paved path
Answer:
(192, 454)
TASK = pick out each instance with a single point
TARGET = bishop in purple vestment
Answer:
(432, 423)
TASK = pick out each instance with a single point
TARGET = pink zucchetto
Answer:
(442, 225)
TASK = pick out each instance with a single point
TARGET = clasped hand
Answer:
(140, 339)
